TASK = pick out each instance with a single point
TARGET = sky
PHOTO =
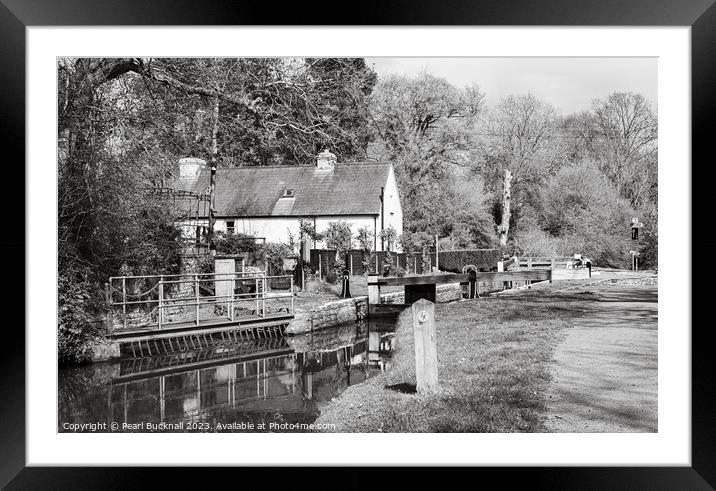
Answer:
(569, 84)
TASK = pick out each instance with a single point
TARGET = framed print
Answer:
(427, 235)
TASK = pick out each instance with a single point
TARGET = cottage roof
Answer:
(349, 189)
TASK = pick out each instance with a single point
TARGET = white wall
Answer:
(276, 229)
(392, 208)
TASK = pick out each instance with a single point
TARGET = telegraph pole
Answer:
(212, 182)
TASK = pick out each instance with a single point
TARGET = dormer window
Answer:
(288, 193)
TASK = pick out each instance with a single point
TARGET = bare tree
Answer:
(625, 145)
(517, 152)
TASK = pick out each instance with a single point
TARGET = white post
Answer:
(426, 357)
(373, 290)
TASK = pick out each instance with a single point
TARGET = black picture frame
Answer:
(16, 15)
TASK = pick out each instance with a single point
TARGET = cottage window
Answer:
(288, 193)
(230, 228)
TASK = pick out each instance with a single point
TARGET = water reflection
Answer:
(284, 380)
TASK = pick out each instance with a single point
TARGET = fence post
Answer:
(415, 264)
(426, 357)
(109, 323)
(351, 261)
(263, 297)
(291, 295)
(232, 291)
(161, 297)
(124, 302)
(320, 266)
(256, 282)
(529, 262)
(373, 290)
(196, 296)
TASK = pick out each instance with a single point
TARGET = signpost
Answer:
(635, 226)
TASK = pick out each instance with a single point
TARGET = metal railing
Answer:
(164, 300)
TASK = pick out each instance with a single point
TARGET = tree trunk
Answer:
(506, 202)
(212, 183)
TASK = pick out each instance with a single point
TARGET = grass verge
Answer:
(494, 359)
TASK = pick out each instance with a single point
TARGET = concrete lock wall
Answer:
(320, 317)
(353, 309)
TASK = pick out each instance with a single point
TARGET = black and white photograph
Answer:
(357, 245)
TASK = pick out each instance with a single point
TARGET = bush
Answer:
(75, 329)
(537, 242)
(480, 258)
(583, 212)
(368, 260)
(649, 240)
(276, 252)
(338, 236)
(235, 243)
(334, 274)
(389, 268)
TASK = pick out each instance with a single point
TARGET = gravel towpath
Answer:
(606, 368)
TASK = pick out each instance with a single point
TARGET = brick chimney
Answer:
(325, 161)
(190, 167)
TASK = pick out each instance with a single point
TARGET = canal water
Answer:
(278, 384)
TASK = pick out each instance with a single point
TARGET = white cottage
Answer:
(269, 201)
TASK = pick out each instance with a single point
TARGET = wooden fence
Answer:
(323, 260)
(359, 262)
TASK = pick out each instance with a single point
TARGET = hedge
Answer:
(482, 259)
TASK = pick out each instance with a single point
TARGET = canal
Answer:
(275, 384)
